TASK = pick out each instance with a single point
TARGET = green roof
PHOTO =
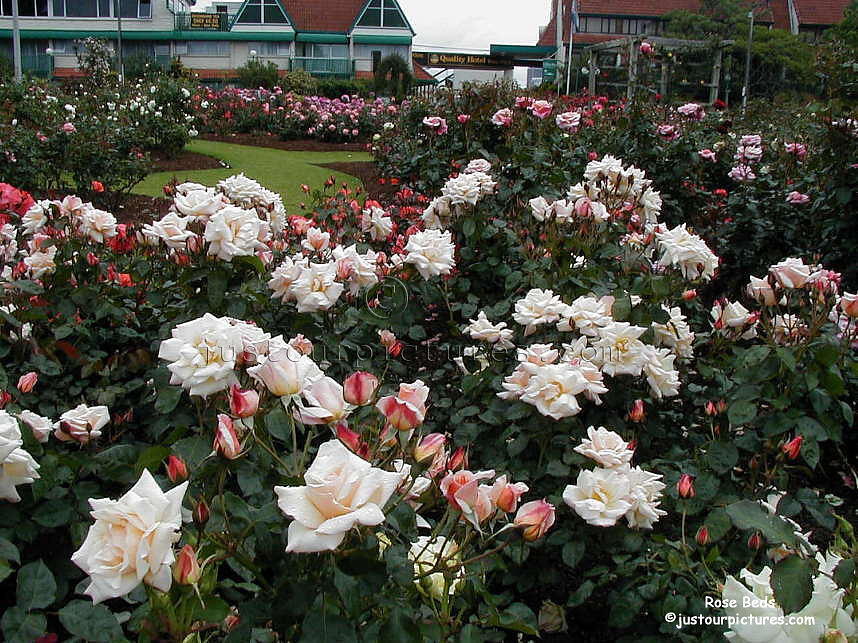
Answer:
(522, 50)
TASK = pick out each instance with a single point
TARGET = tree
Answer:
(255, 73)
(393, 76)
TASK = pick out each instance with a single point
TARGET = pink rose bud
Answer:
(849, 304)
(5, 398)
(200, 513)
(386, 338)
(463, 118)
(301, 344)
(638, 412)
(243, 403)
(348, 437)
(429, 447)
(710, 408)
(688, 295)
(186, 571)
(459, 460)
(702, 536)
(685, 486)
(507, 498)
(592, 156)
(755, 541)
(535, 518)
(359, 388)
(27, 382)
(177, 470)
(226, 441)
(231, 622)
(92, 259)
(793, 447)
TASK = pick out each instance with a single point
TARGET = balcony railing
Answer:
(38, 65)
(340, 67)
(203, 21)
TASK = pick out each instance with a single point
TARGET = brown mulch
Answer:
(309, 145)
(139, 209)
(367, 172)
(185, 160)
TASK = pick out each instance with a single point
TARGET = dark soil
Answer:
(185, 160)
(261, 140)
(138, 209)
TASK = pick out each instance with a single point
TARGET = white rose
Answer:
(482, 329)
(285, 372)
(662, 377)
(618, 351)
(40, 426)
(41, 263)
(478, 165)
(645, 490)
(235, 232)
(687, 252)
(198, 204)
(540, 208)
(605, 447)
(431, 252)
(16, 465)
(376, 223)
(538, 307)
(285, 275)
(342, 491)
(791, 273)
(599, 496)
(586, 315)
(171, 229)
(131, 540)
(82, 423)
(316, 288)
(240, 189)
(675, 333)
(430, 554)
(98, 225)
(36, 217)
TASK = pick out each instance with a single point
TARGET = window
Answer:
(383, 13)
(203, 48)
(62, 46)
(262, 12)
(269, 48)
(133, 8)
(376, 60)
(83, 8)
(31, 8)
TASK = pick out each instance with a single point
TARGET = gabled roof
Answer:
(820, 12)
(328, 15)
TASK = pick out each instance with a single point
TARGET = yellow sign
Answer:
(205, 20)
(472, 61)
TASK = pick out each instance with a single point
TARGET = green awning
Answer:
(365, 39)
(323, 37)
(522, 50)
(65, 34)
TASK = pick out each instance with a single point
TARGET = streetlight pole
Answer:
(120, 65)
(16, 41)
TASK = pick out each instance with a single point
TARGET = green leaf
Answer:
(517, 617)
(747, 514)
(400, 628)
(718, 523)
(844, 573)
(152, 458)
(90, 622)
(277, 423)
(54, 513)
(168, 399)
(741, 412)
(217, 284)
(722, 456)
(572, 553)
(792, 583)
(216, 610)
(20, 627)
(36, 586)
(8, 551)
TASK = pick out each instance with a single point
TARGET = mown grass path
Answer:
(278, 170)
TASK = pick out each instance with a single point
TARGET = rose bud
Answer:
(386, 338)
(710, 408)
(348, 437)
(231, 622)
(459, 460)
(92, 259)
(506, 494)
(226, 441)
(834, 636)
(5, 398)
(200, 513)
(849, 304)
(703, 536)
(186, 570)
(97, 186)
(688, 295)
(429, 447)
(358, 388)
(755, 541)
(27, 382)
(638, 412)
(243, 403)
(632, 445)
(535, 518)
(301, 344)
(177, 470)
(793, 447)
(685, 486)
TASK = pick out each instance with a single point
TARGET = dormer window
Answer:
(265, 12)
(382, 13)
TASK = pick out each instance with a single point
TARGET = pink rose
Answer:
(707, 155)
(69, 128)
(502, 117)
(797, 198)
(791, 273)
(406, 409)
(541, 109)
(358, 388)
(535, 518)
(27, 382)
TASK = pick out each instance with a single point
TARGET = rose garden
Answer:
(569, 367)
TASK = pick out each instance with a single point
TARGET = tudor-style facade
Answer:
(328, 38)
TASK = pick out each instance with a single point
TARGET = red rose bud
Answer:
(459, 460)
(710, 408)
(429, 447)
(97, 186)
(755, 541)
(702, 536)
(358, 388)
(231, 622)
(200, 513)
(177, 470)
(243, 403)
(348, 437)
(793, 447)
(721, 406)
(186, 571)
(534, 518)
(685, 486)
(27, 382)
(226, 442)
(92, 259)
(638, 412)
(688, 295)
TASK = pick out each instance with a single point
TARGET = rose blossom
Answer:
(502, 117)
(797, 198)
(82, 423)
(131, 540)
(39, 425)
(17, 466)
(599, 496)
(605, 447)
(431, 252)
(342, 491)
(407, 409)
(541, 109)
(534, 518)
(791, 273)
(568, 121)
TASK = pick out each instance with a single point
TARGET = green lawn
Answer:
(277, 170)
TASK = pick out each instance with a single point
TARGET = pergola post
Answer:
(633, 69)
(591, 77)
(715, 84)
(662, 83)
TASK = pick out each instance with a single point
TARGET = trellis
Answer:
(629, 57)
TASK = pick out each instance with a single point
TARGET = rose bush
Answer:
(526, 399)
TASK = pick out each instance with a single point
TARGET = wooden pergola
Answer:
(631, 46)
